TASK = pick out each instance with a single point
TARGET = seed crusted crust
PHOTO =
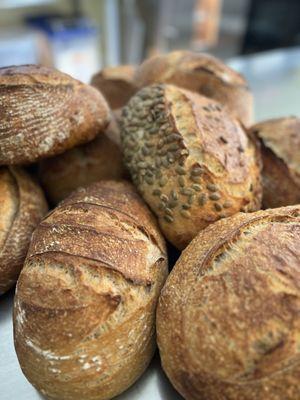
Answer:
(280, 140)
(203, 74)
(44, 112)
(192, 163)
(22, 206)
(85, 303)
(228, 316)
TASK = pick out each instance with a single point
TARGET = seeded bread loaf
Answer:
(22, 206)
(203, 74)
(84, 317)
(189, 159)
(280, 140)
(228, 318)
(91, 162)
(45, 112)
(116, 84)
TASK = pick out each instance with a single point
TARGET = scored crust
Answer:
(228, 316)
(44, 112)
(190, 160)
(90, 284)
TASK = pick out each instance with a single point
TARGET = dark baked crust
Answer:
(90, 285)
(43, 112)
(281, 160)
(116, 84)
(22, 206)
(228, 316)
(97, 160)
(191, 161)
(203, 74)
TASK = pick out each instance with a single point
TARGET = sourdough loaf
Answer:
(191, 161)
(91, 162)
(116, 84)
(228, 318)
(203, 74)
(280, 144)
(22, 206)
(45, 112)
(84, 317)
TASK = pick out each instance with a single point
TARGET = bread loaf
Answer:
(99, 159)
(203, 74)
(85, 302)
(189, 159)
(45, 112)
(280, 140)
(228, 318)
(116, 84)
(22, 206)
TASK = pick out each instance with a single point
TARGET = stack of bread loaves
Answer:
(85, 318)
(43, 113)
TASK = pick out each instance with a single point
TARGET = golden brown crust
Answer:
(44, 112)
(22, 206)
(281, 160)
(90, 284)
(97, 160)
(116, 84)
(228, 317)
(190, 160)
(203, 74)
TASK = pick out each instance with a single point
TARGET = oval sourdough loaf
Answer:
(203, 74)
(228, 318)
(189, 159)
(280, 140)
(84, 317)
(91, 162)
(44, 112)
(116, 84)
(22, 206)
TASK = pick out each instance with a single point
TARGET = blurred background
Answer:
(81, 36)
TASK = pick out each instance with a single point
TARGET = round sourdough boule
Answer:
(203, 74)
(84, 317)
(189, 159)
(280, 140)
(97, 160)
(116, 84)
(45, 112)
(228, 318)
(22, 206)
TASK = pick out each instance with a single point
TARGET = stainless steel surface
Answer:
(275, 80)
